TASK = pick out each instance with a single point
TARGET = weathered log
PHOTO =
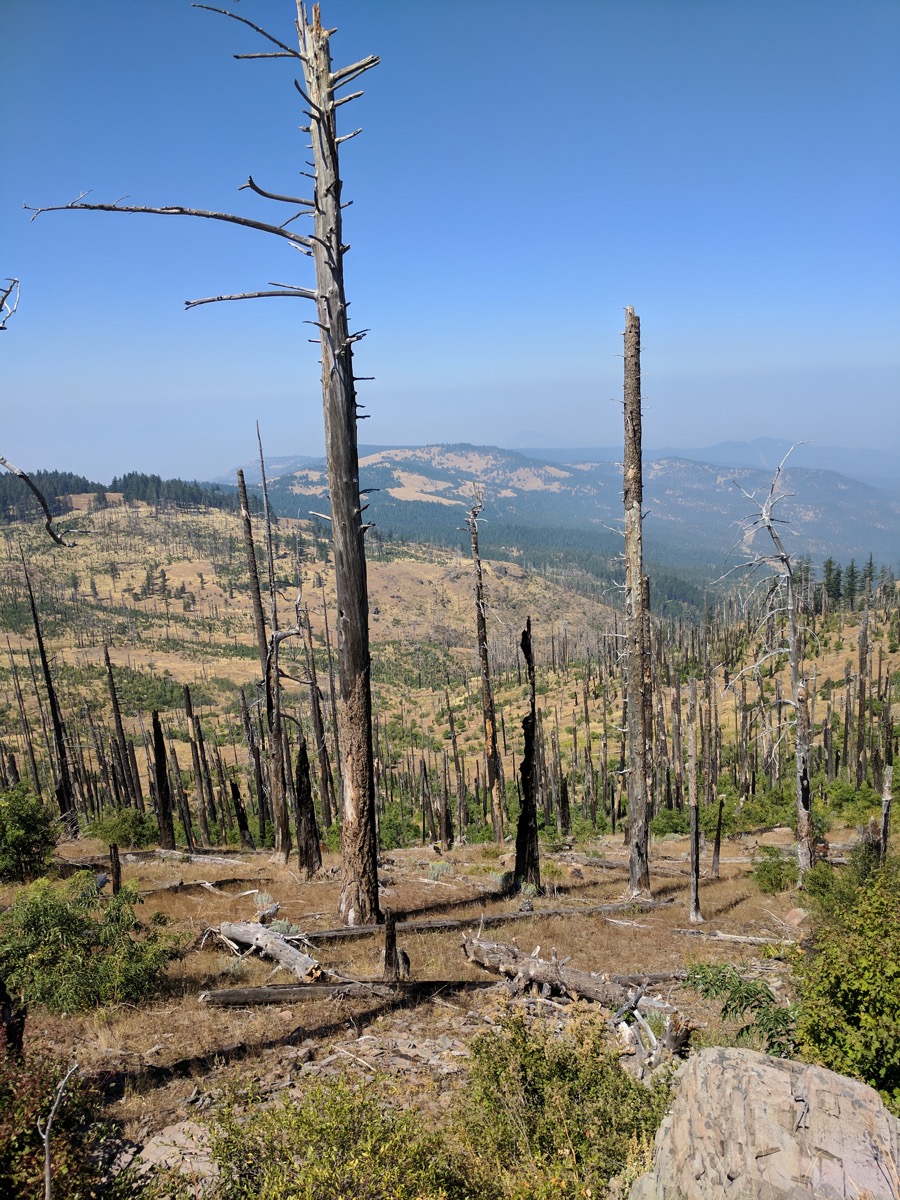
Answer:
(715, 935)
(554, 973)
(443, 924)
(273, 945)
(295, 993)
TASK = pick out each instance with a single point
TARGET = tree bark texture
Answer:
(528, 863)
(359, 849)
(637, 617)
(491, 750)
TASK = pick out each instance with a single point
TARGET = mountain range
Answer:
(695, 500)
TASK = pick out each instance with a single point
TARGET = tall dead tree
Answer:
(637, 623)
(64, 784)
(784, 599)
(359, 893)
(528, 863)
(491, 750)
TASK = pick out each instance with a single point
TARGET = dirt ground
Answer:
(165, 1062)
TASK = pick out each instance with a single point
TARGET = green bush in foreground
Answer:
(339, 1141)
(28, 835)
(62, 947)
(849, 985)
(81, 1146)
(557, 1116)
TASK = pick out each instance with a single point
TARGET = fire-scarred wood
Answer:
(555, 973)
(273, 945)
(359, 892)
(637, 622)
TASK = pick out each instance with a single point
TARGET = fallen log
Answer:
(715, 935)
(273, 945)
(441, 924)
(552, 973)
(297, 993)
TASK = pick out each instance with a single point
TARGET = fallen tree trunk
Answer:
(273, 945)
(297, 993)
(441, 925)
(715, 935)
(553, 973)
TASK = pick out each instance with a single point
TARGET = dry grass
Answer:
(162, 1051)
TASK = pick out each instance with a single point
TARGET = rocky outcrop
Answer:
(747, 1127)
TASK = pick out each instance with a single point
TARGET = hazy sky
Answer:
(527, 169)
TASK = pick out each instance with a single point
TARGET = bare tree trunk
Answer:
(326, 784)
(494, 774)
(309, 850)
(695, 916)
(359, 847)
(163, 795)
(528, 863)
(636, 619)
(65, 792)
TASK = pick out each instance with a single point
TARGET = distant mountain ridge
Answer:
(877, 468)
(693, 507)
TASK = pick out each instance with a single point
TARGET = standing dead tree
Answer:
(528, 863)
(784, 600)
(359, 894)
(637, 623)
(491, 749)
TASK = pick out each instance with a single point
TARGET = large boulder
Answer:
(744, 1126)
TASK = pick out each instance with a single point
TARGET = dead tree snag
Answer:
(637, 623)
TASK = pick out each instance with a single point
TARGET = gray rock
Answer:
(744, 1126)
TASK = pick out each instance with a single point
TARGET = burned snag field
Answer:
(164, 594)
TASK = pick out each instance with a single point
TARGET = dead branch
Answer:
(26, 479)
(8, 310)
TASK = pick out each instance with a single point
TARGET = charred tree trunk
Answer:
(309, 849)
(163, 794)
(636, 620)
(528, 864)
(492, 754)
(695, 915)
(326, 783)
(65, 791)
(359, 845)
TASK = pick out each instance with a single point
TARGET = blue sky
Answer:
(729, 168)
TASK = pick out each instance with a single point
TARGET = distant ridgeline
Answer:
(18, 504)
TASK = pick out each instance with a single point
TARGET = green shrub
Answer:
(340, 1141)
(771, 1027)
(773, 872)
(28, 835)
(82, 1146)
(63, 948)
(556, 1116)
(127, 827)
(671, 820)
(849, 985)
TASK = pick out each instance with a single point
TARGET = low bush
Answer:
(849, 983)
(126, 827)
(341, 1140)
(28, 1088)
(557, 1116)
(28, 835)
(774, 872)
(771, 1025)
(61, 946)
(671, 820)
